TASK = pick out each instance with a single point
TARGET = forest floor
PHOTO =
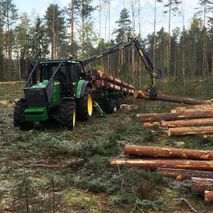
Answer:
(49, 169)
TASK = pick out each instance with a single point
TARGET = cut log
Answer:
(151, 124)
(183, 174)
(186, 123)
(190, 131)
(181, 123)
(116, 81)
(198, 106)
(166, 152)
(210, 137)
(208, 196)
(154, 117)
(107, 85)
(195, 107)
(167, 98)
(159, 163)
(200, 185)
(193, 110)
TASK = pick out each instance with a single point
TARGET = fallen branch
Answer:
(188, 204)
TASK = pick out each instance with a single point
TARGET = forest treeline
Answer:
(182, 53)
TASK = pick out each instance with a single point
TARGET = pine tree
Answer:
(124, 26)
(22, 41)
(55, 27)
(206, 9)
(172, 6)
(38, 40)
(84, 10)
(9, 16)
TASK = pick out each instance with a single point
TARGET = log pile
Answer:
(181, 164)
(189, 120)
(106, 81)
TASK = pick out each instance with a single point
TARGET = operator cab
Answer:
(48, 74)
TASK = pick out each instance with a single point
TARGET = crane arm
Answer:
(154, 72)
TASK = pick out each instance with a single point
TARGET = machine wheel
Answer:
(119, 101)
(85, 106)
(111, 106)
(18, 117)
(67, 114)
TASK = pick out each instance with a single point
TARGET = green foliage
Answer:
(38, 40)
(124, 26)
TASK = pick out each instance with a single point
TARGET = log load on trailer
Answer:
(62, 90)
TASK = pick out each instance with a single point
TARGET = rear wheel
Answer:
(19, 116)
(67, 114)
(85, 106)
(119, 101)
(110, 106)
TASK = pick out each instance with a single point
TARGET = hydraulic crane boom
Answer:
(154, 72)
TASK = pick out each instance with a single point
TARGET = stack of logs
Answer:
(181, 164)
(106, 81)
(188, 120)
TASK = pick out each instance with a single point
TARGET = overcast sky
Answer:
(146, 11)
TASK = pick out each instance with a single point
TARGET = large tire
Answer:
(110, 106)
(85, 106)
(19, 116)
(67, 114)
(119, 101)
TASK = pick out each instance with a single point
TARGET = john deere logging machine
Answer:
(62, 90)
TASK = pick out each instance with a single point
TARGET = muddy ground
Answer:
(50, 169)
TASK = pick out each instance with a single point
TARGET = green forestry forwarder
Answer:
(62, 90)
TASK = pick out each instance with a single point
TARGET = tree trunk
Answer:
(176, 164)
(72, 22)
(199, 185)
(190, 131)
(183, 174)
(181, 123)
(175, 99)
(208, 196)
(166, 152)
(169, 40)
(173, 116)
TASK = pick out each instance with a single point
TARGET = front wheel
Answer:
(19, 116)
(67, 114)
(85, 106)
